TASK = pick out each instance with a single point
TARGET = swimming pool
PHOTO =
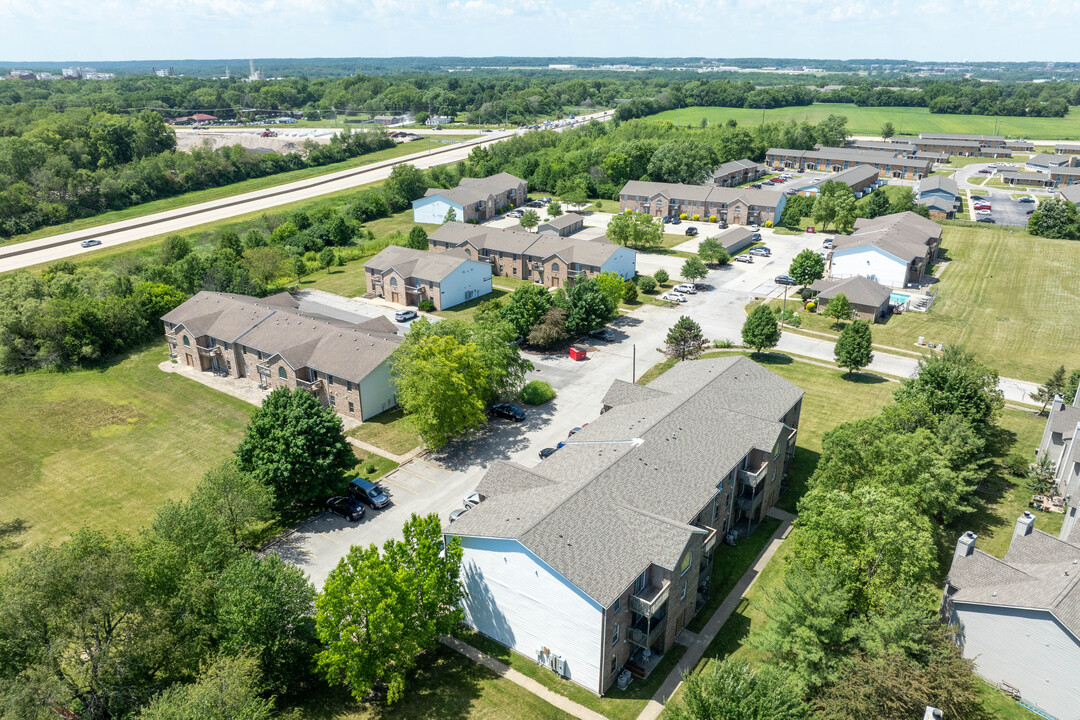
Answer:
(898, 298)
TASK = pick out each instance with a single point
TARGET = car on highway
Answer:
(405, 315)
(89, 243)
(784, 280)
(368, 493)
(673, 297)
(686, 288)
(1026, 200)
(743, 258)
(346, 507)
(990, 220)
(761, 251)
(506, 411)
(602, 334)
(547, 452)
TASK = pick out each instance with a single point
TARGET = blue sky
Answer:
(87, 30)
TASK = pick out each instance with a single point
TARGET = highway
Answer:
(67, 245)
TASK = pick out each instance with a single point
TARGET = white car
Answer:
(984, 212)
(673, 297)
(686, 288)
(743, 258)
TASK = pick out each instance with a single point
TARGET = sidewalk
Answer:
(499, 668)
(700, 642)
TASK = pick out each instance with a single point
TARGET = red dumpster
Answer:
(577, 353)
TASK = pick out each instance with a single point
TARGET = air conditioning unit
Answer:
(557, 664)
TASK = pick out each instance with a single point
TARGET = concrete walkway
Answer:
(698, 643)
(504, 670)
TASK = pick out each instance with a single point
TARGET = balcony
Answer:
(753, 477)
(642, 635)
(311, 386)
(650, 601)
(263, 369)
(212, 350)
(709, 543)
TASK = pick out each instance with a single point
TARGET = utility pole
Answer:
(633, 364)
(784, 311)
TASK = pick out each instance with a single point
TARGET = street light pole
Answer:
(784, 311)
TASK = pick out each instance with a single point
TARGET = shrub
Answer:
(627, 211)
(1017, 465)
(645, 283)
(723, 344)
(426, 305)
(369, 469)
(806, 293)
(682, 216)
(536, 392)
(630, 292)
(768, 223)
(696, 216)
(791, 318)
(661, 276)
(712, 218)
(599, 205)
(811, 306)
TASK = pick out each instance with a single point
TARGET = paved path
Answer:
(698, 643)
(499, 668)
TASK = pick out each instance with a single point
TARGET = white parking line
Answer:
(387, 479)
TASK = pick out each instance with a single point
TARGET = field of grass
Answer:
(448, 686)
(200, 196)
(907, 120)
(104, 448)
(390, 431)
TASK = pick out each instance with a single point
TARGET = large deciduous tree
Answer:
(550, 329)
(296, 446)
(635, 230)
(529, 219)
(955, 382)
(1055, 218)
(807, 267)
(731, 690)
(854, 347)
(525, 306)
(587, 306)
(838, 308)
(686, 161)
(694, 269)
(405, 184)
(228, 688)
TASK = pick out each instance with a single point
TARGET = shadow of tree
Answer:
(9, 531)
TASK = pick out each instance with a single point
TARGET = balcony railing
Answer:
(212, 350)
(651, 600)
(710, 540)
(753, 477)
(311, 386)
(263, 369)
(647, 638)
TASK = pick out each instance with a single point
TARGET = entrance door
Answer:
(189, 360)
(554, 281)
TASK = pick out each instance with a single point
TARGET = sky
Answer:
(942, 30)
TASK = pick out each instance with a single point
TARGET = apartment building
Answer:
(408, 277)
(595, 559)
(903, 148)
(473, 200)
(1070, 193)
(1045, 163)
(737, 172)
(1061, 444)
(940, 194)
(990, 141)
(1066, 149)
(962, 147)
(1060, 176)
(837, 159)
(894, 250)
(1029, 179)
(271, 342)
(544, 258)
(861, 179)
(1020, 145)
(735, 206)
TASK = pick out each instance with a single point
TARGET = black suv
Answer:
(506, 411)
(347, 507)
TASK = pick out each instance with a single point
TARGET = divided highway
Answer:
(66, 245)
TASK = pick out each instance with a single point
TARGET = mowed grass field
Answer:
(906, 120)
(104, 448)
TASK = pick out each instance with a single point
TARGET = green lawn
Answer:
(466, 310)
(199, 196)
(104, 448)
(448, 686)
(907, 120)
(366, 460)
(390, 431)
(617, 704)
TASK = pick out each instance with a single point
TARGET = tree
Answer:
(684, 340)
(846, 211)
(265, 264)
(1071, 386)
(854, 349)
(296, 446)
(1043, 475)
(711, 251)
(550, 329)
(903, 201)
(264, 607)
(646, 283)
(807, 267)
(1055, 218)
(327, 257)
(694, 269)
(687, 161)
(878, 204)
(173, 249)
(795, 209)
(299, 268)
(405, 184)
(887, 130)
(238, 500)
(760, 330)
(230, 240)
(839, 308)
(630, 291)
(228, 688)
(418, 239)
(573, 191)
(529, 219)
(612, 284)
(956, 383)
(1054, 385)
(832, 131)
(661, 276)
(525, 306)
(730, 690)
(441, 384)
(808, 628)
(587, 306)
(554, 209)
(451, 215)
(636, 230)
(835, 203)
(380, 612)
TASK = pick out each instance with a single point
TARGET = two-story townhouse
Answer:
(269, 341)
(737, 172)
(1063, 176)
(829, 159)
(940, 194)
(1066, 149)
(1060, 444)
(736, 206)
(989, 141)
(894, 250)
(861, 179)
(408, 277)
(598, 557)
(474, 200)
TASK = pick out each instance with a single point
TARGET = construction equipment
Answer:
(268, 133)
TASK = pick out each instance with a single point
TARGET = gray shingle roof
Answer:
(939, 182)
(851, 155)
(564, 221)
(961, 136)
(518, 242)
(856, 175)
(1070, 193)
(703, 193)
(471, 190)
(621, 493)
(420, 264)
(904, 235)
(859, 290)
(733, 166)
(1044, 160)
(1015, 175)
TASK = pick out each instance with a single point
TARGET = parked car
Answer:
(784, 280)
(574, 431)
(1026, 200)
(790, 191)
(990, 220)
(405, 315)
(506, 411)
(982, 206)
(472, 500)
(756, 236)
(986, 171)
(761, 251)
(673, 297)
(547, 452)
(347, 507)
(810, 229)
(756, 186)
(723, 225)
(368, 493)
(755, 227)
(984, 212)
(90, 243)
(676, 220)
(743, 258)
(691, 231)
(457, 513)
(602, 334)
(979, 197)
(545, 200)
(686, 288)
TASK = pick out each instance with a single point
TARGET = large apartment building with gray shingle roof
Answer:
(596, 559)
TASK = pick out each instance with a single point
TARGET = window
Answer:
(617, 606)
(348, 385)
(187, 343)
(554, 267)
(314, 375)
(615, 634)
(329, 379)
(282, 374)
(393, 280)
(351, 409)
(685, 564)
(614, 665)
(259, 354)
(639, 584)
(332, 401)
(683, 596)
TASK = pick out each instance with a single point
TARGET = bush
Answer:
(426, 305)
(696, 216)
(682, 216)
(806, 293)
(811, 306)
(661, 276)
(646, 283)
(536, 392)
(791, 318)
(1017, 465)
(599, 205)
(723, 344)
(630, 292)
(712, 218)
(369, 469)
(768, 223)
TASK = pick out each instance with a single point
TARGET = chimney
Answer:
(966, 544)
(1024, 525)
(932, 713)
(1059, 402)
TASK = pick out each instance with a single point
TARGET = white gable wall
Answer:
(377, 392)
(432, 209)
(514, 598)
(1028, 649)
(623, 261)
(870, 262)
(470, 280)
